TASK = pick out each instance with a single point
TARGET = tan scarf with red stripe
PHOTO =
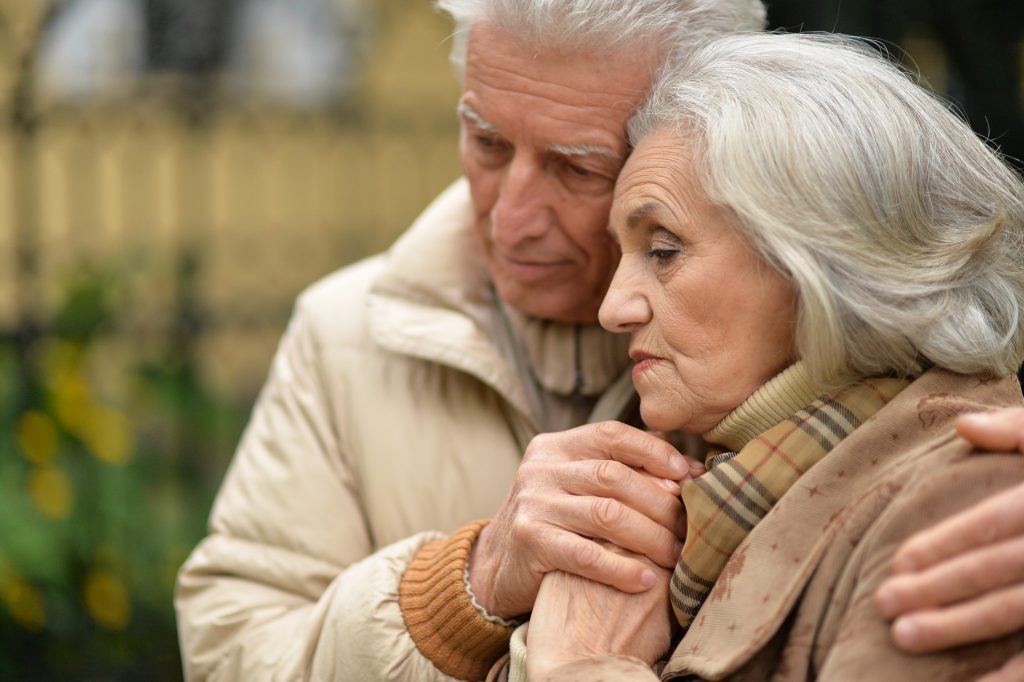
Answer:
(725, 504)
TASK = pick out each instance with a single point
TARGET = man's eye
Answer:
(485, 141)
(579, 170)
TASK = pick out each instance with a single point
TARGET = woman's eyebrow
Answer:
(641, 213)
(467, 112)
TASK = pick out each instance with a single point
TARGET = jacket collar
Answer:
(741, 616)
(434, 301)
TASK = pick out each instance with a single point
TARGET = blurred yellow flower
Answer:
(24, 603)
(57, 355)
(37, 437)
(108, 434)
(51, 491)
(106, 599)
(72, 399)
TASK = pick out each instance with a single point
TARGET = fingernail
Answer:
(670, 485)
(679, 465)
(905, 633)
(647, 578)
(885, 600)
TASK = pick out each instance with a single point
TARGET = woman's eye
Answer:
(662, 254)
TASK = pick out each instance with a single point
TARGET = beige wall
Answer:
(268, 199)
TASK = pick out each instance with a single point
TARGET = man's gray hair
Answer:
(902, 232)
(603, 26)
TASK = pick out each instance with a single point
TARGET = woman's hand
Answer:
(962, 581)
(575, 618)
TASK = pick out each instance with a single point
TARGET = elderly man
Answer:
(408, 393)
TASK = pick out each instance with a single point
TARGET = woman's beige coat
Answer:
(389, 418)
(795, 601)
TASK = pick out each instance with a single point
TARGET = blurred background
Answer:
(172, 174)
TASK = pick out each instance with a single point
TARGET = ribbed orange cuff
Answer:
(444, 624)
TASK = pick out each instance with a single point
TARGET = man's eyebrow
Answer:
(466, 111)
(585, 150)
(486, 126)
(641, 213)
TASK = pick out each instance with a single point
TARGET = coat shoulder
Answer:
(334, 308)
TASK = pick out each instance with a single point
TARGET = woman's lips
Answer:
(644, 361)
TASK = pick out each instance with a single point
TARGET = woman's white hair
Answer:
(902, 232)
(602, 26)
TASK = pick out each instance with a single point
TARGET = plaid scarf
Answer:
(724, 504)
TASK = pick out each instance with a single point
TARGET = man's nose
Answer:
(625, 308)
(523, 209)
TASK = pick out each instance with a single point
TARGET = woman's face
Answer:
(710, 320)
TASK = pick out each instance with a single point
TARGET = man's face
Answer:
(543, 139)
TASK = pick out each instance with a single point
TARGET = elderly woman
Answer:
(821, 268)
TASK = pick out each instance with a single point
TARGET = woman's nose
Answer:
(625, 307)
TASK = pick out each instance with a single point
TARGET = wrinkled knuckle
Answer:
(608, 513)
(524, 530)
(587, 556)
(609, 473)
(529, 472)
(538, 446)
(526, 500)
(610, 431)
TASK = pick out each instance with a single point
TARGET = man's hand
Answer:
(962, 581)
(606, 481)
(1002, 430)
(575, 618)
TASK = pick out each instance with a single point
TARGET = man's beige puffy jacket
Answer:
(394, 413)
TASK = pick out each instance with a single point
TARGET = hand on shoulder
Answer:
(962, 581)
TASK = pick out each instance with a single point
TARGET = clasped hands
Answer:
(605, 481)
(594, 516)
(592, 523)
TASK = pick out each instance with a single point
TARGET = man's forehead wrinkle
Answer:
(585, 136)
(510, 78)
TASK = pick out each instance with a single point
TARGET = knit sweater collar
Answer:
(780, 397)
(570, 358)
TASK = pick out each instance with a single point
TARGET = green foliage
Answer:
(102, 493)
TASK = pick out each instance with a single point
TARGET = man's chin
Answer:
(541, 306)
